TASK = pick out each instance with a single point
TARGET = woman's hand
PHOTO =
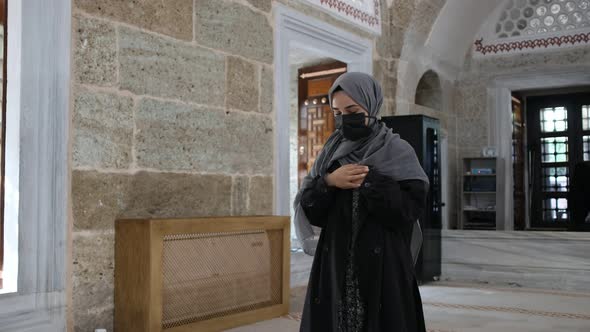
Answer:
(348, 176)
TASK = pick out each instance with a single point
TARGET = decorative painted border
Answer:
(371, 21)
(356, 13)
(581, 38)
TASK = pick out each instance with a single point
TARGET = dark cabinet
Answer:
(422, 133)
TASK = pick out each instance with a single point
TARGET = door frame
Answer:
(572, 99)
(499, 104)
(293, 29)
(38, 110)
(302, 86)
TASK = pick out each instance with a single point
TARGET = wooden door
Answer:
(518, 165)
(316, 120)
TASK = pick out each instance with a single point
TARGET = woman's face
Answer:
(343, 104)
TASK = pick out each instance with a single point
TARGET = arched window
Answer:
(429, 92)
(536, 17)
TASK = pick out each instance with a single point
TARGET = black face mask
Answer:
(353, 126)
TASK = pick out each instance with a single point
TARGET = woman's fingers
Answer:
(356, 181)
(355, 178)
(357, 169)
(349, 176)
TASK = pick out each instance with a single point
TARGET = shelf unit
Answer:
(478, 193)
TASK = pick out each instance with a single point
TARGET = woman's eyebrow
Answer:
(347, 107)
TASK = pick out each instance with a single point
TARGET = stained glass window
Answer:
(530, 17)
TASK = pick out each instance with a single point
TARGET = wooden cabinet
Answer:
(200, 274)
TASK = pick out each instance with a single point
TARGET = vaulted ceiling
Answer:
(456, 28)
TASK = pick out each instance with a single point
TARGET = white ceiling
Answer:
(456, 28)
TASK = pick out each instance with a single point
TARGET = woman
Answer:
(365, 190)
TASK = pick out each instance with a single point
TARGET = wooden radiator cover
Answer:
(201, 274)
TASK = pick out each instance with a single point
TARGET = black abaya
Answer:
(382, 258)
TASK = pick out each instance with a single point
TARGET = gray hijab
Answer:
(384, 150)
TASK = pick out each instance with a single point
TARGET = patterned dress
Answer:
(351, 314)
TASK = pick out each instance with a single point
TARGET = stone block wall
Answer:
(172, 116)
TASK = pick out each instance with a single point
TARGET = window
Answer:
(536, 17)
(559, 139)
(553, 119)
(36, 135)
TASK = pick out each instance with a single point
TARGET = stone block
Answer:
(391, 42)
(470, 99)
(95, 52)
(103, 130)
(239, 195)
(173, 136)
(389, 107)
(88, 320)
(233, 28)
(98, 199)
(171, 17)
(261, 195)
(264, 5)
(267, 89)
(93, 280)
(242, 85)
(151, 65)
(423, 22)
(402, 12)
(473, 132)
(164, 195)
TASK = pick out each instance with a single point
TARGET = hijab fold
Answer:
(383, 150)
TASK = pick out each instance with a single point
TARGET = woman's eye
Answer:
(337, 113)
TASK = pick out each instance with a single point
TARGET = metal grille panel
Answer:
(210, 275)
